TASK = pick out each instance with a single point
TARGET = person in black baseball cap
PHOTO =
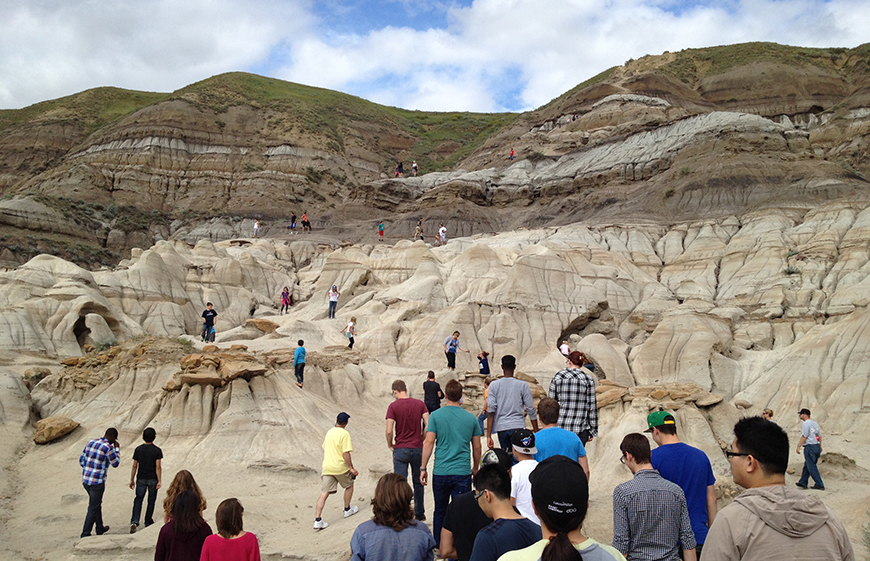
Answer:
(560, 493)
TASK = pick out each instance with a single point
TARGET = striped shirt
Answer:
(95, 460)
(650, 518)
(574, 389)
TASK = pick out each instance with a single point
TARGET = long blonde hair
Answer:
(183, 481)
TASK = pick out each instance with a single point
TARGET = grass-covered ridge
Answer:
(88, 111)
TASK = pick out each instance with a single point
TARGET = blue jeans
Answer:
(332, 306)
(95, 509)
(143, 485)
(480, 419)
(444, 488)
(403, 458)
(504, 440)
(811, 457)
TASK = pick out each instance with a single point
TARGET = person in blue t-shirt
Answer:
(689, 468)
(552, 440)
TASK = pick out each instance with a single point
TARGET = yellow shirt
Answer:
(335, 444)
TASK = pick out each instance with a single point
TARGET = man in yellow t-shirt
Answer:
(337, 469)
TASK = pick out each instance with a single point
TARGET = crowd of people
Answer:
(526, 498)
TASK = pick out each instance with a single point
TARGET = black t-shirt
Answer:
(209, 316)
(465, 519)
(431, 389)
(147, 456)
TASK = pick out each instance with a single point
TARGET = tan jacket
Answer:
(777, 523)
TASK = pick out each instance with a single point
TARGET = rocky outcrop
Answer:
(53, 428)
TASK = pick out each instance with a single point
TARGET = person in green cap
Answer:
(689, 468)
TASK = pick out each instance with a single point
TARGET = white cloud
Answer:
(521, 53)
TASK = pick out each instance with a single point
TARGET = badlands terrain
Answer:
(698, 223)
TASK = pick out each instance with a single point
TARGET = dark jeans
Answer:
(444, 488)
(504, 440)
(208, 333)
(332, 306)
(451, 360)
(411, 457)
(95, 509)
(480, 419)
(299, 371)
(584, 435)
(350, 344)
(811, 457)
(143, 485)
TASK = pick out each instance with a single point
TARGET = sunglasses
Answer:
(731, 454)
(479, 494)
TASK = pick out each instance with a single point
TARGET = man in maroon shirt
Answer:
(408, 416)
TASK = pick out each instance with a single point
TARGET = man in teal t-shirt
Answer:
(450, 431)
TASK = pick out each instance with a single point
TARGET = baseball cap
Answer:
(523, 441)
(497, 456)
(804, 411)
(659, 418)
(342, 418)
(560, 487)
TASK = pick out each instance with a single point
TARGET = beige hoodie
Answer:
(777, 523)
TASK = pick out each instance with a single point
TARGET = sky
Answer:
(432, 55)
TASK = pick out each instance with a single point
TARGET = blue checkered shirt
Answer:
(650, 518)
(95, 460)
(574, 389)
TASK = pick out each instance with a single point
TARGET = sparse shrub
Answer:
(535, 157)
(186, 343)
(104, 344)
(685, 170)
(791, 270)
(792, 253)
(669, 192)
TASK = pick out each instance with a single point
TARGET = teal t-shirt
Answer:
(454, 427)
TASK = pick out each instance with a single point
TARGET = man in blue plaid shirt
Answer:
(95, 461)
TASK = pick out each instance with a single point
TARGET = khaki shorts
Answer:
(330, 483)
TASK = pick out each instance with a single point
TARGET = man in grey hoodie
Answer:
(769, 520)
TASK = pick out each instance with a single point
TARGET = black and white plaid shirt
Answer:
(574, 389)
(650, 518)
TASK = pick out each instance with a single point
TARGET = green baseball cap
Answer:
(659, 418)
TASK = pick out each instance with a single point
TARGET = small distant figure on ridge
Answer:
(400, 170)
(451, 344)
(414, 168)
(209, 318)
(381, 231)
(292, 223)
(418, 232)
(349, 331)
(306, 225)
(564, 348)
(299, 362)
(442, 234)
(285, 301)
(333, 295)
(512, 154)
(256, 228)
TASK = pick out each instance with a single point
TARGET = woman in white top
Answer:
(349, 331)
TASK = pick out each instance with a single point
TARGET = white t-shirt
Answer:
(349, 329)
(565, 349)
(521, 489)
(442, 231)
(333, 295)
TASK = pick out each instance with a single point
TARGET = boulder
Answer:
(611, 396)
(71, 361)
(52, 428)
(208, 376)
(191, 361)
(264, 325)
(33, 376)
(232, 369)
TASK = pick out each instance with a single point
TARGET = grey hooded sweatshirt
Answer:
(777, 523)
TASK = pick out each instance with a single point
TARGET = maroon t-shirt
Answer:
(408, 416)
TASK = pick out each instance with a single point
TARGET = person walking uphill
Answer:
(95, 460)
(689, 468)
(147, 475)
(574, 388)
(453, 433)
(451, 344)
(409, 417)
(299, 363)
(350, 332)
(508, 401)
(337, 469)
(811, 441)
(432, 394)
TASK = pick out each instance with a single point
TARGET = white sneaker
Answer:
(320, 524)
(351, 511)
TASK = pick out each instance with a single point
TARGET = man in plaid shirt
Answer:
(574, 388)
(95, 461)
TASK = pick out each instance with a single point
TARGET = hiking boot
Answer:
(801, 485)
(351, 511)
(819, 487)
(133, 528)
(320, 524)
(103, 530)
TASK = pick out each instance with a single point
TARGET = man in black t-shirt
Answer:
(208, 321)
(432, 393)
(146, 461)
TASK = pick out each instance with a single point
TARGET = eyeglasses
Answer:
(622, 459)
(731, 454)
(479, 494)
